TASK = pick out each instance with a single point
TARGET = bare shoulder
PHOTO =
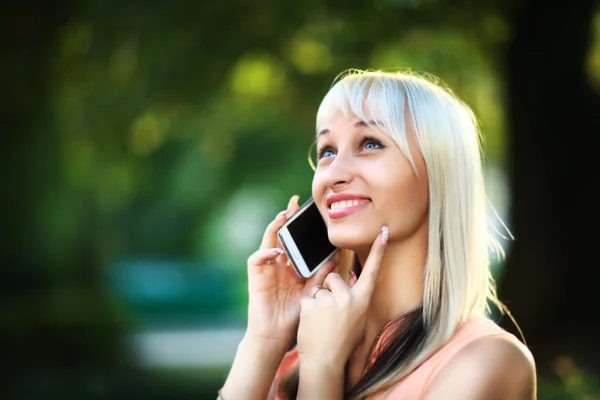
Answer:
(495, 367)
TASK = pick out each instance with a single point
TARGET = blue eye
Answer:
(370, 143)
(325, 151)
(367, 143)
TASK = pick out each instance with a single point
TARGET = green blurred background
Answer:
(148, 144)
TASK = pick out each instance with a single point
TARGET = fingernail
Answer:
(294, 199)
(353, 274)
(281, 213)
(384, 234)
(277, 250)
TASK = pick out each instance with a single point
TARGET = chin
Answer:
(354, 239)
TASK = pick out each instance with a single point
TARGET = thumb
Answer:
(368, 277)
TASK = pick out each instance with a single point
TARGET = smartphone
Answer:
(305, 240)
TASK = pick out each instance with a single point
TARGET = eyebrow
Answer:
(359, 124)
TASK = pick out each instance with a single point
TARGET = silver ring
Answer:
(269, 262)
(315, 290)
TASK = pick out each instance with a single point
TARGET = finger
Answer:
(260, 257)
(306, 303)
(353, 279)
(335, 283)
(293, 206)
(269, 239)
(320, 292)
(368, 277)
(270, 236)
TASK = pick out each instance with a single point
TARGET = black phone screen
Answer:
(310, 235)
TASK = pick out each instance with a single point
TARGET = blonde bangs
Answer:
(373, 98)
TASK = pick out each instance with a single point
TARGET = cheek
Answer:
(317, 187)
(318, 191)
(405, 194)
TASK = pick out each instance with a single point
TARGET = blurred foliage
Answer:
(161, 117)
(177, 130)
(572, 383)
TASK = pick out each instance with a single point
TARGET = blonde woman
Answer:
(399, 184)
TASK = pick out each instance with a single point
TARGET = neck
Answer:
(399, 287)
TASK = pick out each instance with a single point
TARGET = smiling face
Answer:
(363, 181)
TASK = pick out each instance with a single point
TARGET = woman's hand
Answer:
(275, 289)
(333, 322)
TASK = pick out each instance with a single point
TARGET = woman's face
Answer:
(363, 181)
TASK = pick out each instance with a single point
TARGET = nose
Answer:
(340, 172)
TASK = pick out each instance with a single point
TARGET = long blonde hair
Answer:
(457, 279)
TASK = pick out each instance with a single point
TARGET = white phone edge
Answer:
(293, 254)
(289, 245)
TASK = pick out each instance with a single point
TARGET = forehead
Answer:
(337, 113)
(338, 122)
(359, 98)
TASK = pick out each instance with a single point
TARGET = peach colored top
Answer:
(415, 385)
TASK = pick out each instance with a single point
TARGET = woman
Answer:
(413, 325)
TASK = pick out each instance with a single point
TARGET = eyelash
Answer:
(367, 139)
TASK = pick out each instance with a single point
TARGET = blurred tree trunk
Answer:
(553, 268)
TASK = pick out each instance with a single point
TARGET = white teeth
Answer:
(346, 203)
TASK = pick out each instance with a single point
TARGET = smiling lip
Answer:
(346, 197)
(344, 212)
